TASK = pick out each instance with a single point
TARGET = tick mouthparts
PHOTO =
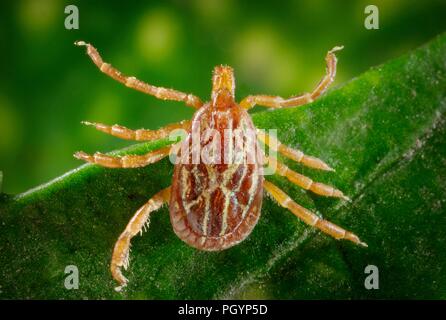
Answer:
(223, 79)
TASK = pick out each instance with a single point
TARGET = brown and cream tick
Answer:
(214, 206)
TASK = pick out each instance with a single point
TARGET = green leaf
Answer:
(384, 133)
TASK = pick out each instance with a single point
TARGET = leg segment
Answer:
(305, 182)
(293, 154)
(140, 134)
(309, 217)
(279, 102)
(129, 161)
(132, 82)
(140, 220)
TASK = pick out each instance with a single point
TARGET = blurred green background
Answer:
(47, 85)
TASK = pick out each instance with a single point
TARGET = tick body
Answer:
(215, 204)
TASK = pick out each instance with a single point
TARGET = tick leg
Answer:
(309, 217)
(279, 102)
(140, 220)
(140, 134)
(305, 182)
(128, 161)
(293, 154)
(132, 82)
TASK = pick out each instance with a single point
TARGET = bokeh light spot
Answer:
(213, 10)
(39, 16)
(10, 127)
(265, 60)
(157, 34)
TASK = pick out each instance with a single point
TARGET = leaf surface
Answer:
(384, 133)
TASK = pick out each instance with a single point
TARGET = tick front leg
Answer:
(305, 182)
(279, 102)
(140, 134)
(132, 82)
(291, 153)
(128, 161)
(309, 217)
(120, 257)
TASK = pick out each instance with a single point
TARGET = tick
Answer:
(215, 205)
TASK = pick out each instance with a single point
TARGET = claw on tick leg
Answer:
(81, 155)
(80, 43)
(88, 123)
(337, 48)
(119, 277)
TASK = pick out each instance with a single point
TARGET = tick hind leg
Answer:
(279, 102)
(309, 217)
(293, 154)
(140, 134)
(132, 82)
(120, 257)
(128, 161)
